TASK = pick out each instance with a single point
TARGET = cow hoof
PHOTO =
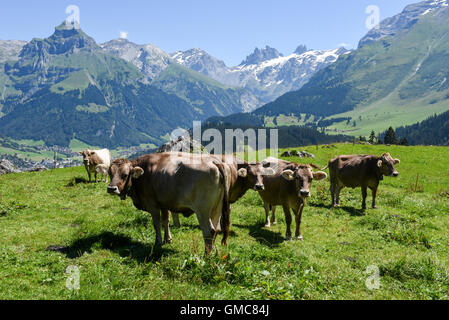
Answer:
(300, 238)
(289, 238)
(168, 241)
(374, 207)
(274, 223)
(267, 225)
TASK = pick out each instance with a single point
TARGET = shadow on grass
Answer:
(76, 181)
(262, 235)
(350, 210)
(123, 245)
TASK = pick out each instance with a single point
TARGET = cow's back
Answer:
(173, 182)
(352, 170)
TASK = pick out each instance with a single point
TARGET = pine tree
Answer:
(372, 137)
(404, 142)
(390, 137)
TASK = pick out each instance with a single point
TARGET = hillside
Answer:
(397, 78)
(66, 87)
(432, 131)
(64, 221)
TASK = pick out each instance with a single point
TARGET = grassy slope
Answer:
(111, 241)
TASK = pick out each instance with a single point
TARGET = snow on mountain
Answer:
(266, 72)
(150, 59)
(402, 21)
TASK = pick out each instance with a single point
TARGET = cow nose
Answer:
(260, 187)
(113, 190)
(305, 193)
(395, 174)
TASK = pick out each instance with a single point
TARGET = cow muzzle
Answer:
(304, 193)
(395, 174)
(113, 190)
(259, 187)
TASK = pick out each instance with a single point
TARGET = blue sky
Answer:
(228, 29)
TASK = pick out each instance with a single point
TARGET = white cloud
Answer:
(123, 35)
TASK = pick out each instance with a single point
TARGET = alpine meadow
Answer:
(226, 161)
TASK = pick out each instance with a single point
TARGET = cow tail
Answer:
(225, 221)
(325, 168)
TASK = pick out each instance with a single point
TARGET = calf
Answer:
(365, 171)
(289, 187)
(92, 158)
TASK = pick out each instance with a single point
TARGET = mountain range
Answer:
(266, 73)
(398, 76)
(67, 87)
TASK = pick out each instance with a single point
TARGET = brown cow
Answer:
(244, 176)
(365, 171)
(161, 182)
(93, 158)
(288, 187)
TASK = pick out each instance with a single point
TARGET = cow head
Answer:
(303, 175)
(121, 174)
(253, 174)
(87, 156)
(386, 165)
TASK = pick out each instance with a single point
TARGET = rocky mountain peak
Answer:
(300, 49)
(261, 55)
(403, 21)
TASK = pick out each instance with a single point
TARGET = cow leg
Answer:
(166, 225)
(288, 221)
(156, 215)
(332, 191)
(176, 222)
(266, 206)
(89, 175)
(273, 215)
(298, 215)
(364, 194)
(374, 192)
(337, 195)
(96, 180)
(209, 233)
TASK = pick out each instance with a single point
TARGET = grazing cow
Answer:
(244, 176)
(92, 158)
(103, 170)
(365, 171)
(161, 182)
(288, 187)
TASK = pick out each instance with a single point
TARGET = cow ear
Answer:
(81, 153)
(242, 172)
(397, 161)
(288, 175)
(379, 163)
(92, 153)
(319, 175)
(137, 172)
(268, 171)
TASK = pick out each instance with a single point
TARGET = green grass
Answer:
(112, 242)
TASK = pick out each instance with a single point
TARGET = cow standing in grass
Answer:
(93, 158)
(289, 187)
(365, 171)
(179, 182)
(243, 177)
